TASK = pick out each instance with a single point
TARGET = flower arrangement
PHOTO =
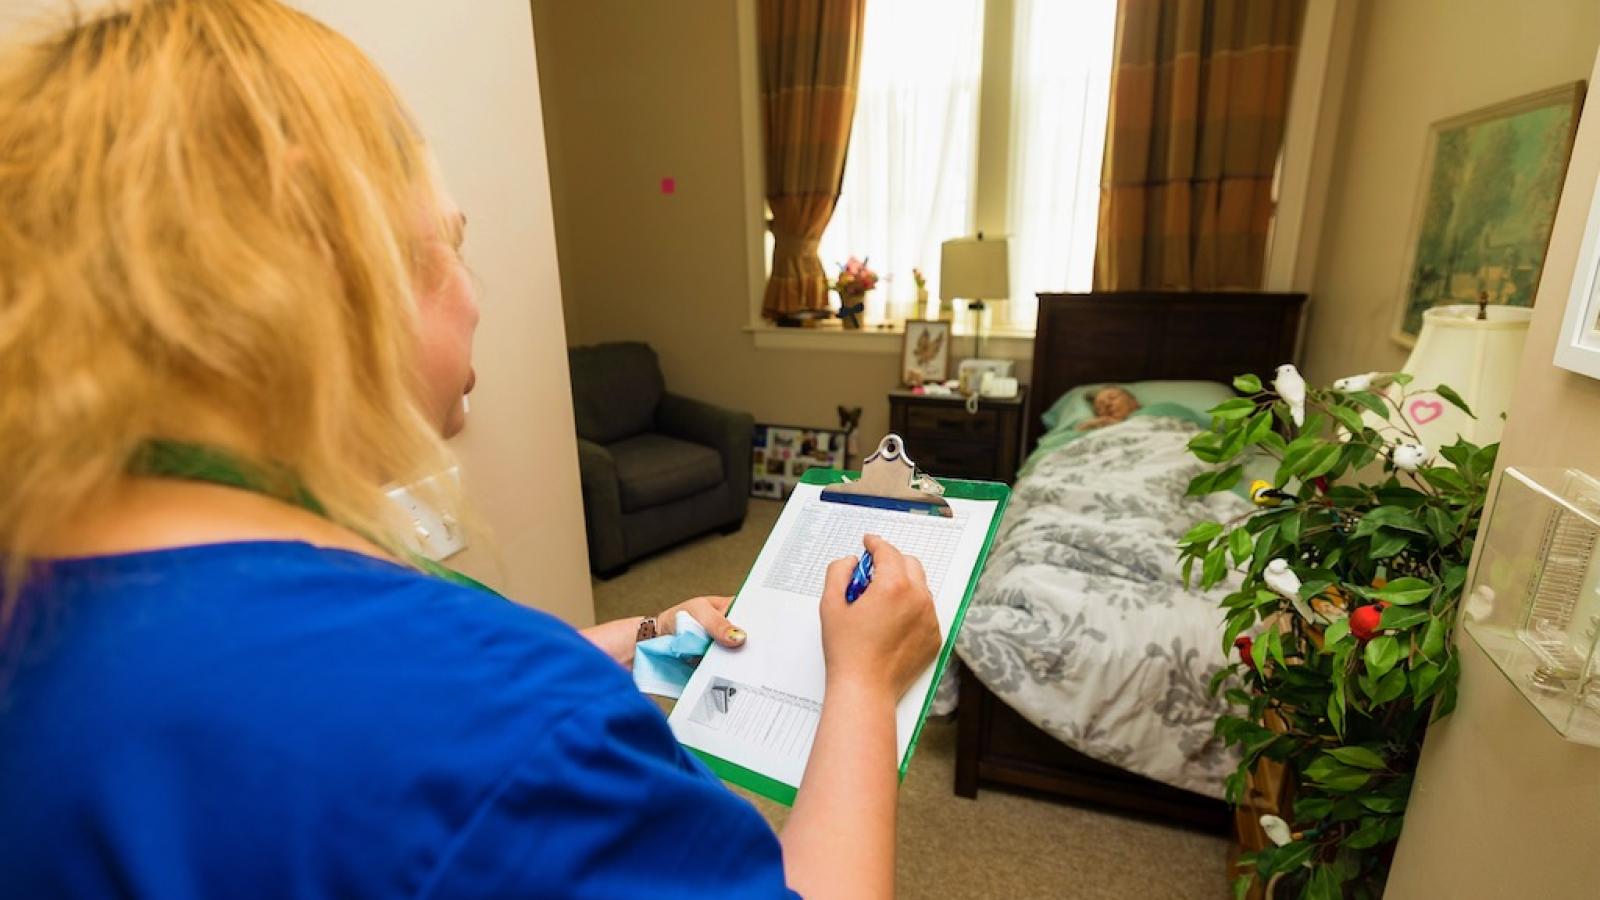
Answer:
(1343, 618)
(852, 285)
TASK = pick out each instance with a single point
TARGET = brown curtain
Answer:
(1199, 92)
(810, 60)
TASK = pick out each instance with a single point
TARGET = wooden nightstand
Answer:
(947, 441)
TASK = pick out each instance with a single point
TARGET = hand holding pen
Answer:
(889, 636)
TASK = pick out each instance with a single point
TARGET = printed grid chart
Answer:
(825, 532)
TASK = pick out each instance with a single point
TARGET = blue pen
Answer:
(860, 578)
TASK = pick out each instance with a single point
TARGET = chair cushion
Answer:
(615, 390)
(653, 469)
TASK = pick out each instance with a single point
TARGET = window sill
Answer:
(1010, 345)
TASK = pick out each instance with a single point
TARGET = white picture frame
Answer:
(1578, 348)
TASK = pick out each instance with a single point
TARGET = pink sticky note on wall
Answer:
(669, 185)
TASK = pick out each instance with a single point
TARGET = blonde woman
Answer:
(232, 307)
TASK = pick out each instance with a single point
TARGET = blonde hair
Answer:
(212, 216)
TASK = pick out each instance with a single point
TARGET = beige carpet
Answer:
(1000, 845)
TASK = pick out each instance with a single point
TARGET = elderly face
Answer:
(1114, 403)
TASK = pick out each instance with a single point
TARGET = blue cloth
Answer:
(278, 720)
(662, 665)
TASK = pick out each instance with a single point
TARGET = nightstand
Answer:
(947, 441)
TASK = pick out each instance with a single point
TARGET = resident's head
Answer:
(1113, 402)
(218, 224)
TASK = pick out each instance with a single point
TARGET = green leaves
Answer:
(1403, 591)
(1239, 545)
(1360, 757)
(1448, 393)
(1381, 655)
(1389, 517)
(1347, 417)
(1348, 716)
(1329, 773)
(1237, 408)
(1399, 618)
(1213, 482)
(1371, 403)
(1203, 533)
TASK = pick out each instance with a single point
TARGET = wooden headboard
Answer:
(1141, 335)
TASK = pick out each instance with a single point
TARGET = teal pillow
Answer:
(1198, 396)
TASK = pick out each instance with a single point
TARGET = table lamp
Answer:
(975, 269)
(1476, 356)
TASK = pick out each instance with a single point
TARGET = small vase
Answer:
(852, 310)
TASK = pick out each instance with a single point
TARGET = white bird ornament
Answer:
(1409, 456)
(1277, 830)
(1362, 382)
(1282, 579)
(1292, 388)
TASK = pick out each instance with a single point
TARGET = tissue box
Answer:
(1533, 596)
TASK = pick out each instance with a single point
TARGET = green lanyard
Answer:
(194, 462)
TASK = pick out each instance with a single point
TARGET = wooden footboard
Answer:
(996, 746)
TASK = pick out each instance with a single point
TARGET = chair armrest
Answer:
(724, 430)
(602, 504)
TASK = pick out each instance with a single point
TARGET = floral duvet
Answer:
(1081, 622)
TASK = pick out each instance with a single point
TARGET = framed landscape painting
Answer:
(1487, 199)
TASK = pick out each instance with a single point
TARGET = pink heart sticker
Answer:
(1425, 411)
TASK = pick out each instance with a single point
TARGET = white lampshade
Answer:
(1478, 358)
(975, 268)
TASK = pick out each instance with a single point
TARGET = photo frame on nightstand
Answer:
(925, 351)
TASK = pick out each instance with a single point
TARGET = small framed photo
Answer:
(925, 353)
(781, 454)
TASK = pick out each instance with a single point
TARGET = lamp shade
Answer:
(1478, 358)
(975, 268)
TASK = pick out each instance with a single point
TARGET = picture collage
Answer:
(781, 454)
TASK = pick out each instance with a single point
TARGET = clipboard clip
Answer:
(890, 480)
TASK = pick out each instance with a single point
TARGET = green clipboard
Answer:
(780, 792)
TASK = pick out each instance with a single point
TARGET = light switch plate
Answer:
(433, 533)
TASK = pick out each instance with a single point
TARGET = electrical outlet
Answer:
(434, 533)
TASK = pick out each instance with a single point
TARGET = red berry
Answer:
(1243, 643)
(1364, 621)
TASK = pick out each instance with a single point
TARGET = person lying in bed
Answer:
(1112, 404)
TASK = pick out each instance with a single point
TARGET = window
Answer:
(1060, 93)
(908, 179)
(911, 178)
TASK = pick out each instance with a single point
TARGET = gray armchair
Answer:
(657, 468)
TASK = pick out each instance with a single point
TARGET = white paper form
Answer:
(758, 706)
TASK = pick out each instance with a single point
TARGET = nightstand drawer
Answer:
(950, 422)
(954, 460)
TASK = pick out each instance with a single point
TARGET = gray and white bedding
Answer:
(1081, 622)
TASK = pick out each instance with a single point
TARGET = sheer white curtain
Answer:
(909, 178)
(1060, 91)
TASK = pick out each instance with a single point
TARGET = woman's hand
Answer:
(839, 840)
(888, 636)
(617, 637)
(710, 612)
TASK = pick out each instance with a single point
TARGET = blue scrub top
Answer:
(274, 719)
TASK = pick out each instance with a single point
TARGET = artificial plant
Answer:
(1345, 661)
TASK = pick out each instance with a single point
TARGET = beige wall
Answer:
(468, 71)
(1415, 62)
(635, 92)
(1503, 807)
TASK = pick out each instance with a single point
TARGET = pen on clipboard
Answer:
(860, 578)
